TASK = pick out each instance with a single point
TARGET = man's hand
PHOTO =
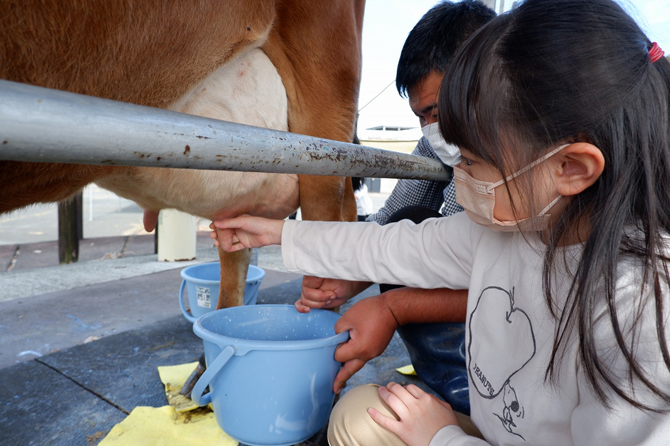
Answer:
(371, 325)
(318, 292)
(372, 321)
(420, 414)
(245, 232)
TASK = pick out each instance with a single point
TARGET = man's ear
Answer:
(579, 166)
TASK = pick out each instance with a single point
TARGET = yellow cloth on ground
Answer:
(407, 370)
(174, 377)
(163, 426)
(182, 423)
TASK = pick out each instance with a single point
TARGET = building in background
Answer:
(389, 137)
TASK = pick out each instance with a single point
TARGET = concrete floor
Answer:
(80, 343)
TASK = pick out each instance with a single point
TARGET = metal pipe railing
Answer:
(44, 125)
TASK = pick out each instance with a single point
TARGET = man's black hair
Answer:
(435, 38)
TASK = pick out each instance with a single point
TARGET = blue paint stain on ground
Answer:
(80, 326)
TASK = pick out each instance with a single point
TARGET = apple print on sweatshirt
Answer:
(501, 343)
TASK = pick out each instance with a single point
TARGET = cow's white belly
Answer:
(247, 90)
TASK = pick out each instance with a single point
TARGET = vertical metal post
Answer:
(156, 239)
(68, 232)
(79, 217)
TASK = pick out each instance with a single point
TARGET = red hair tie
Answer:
(655, 52)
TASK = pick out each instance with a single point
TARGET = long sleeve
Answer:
(434, 254)
(454, 436)
(621, 423)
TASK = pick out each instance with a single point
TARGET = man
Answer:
(424, 58)
(436, 346)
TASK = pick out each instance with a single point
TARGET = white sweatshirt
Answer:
(510, 330)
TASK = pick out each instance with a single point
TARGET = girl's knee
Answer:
(351, 425)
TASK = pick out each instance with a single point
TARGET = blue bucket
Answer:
(202, 283)
(270, 371)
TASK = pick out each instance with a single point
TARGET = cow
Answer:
(289, 65)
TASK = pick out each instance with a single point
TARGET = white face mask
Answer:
(478, 198)
(448, 153)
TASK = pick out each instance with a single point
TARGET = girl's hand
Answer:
(245, 232)
(421, 414)
(318, 292)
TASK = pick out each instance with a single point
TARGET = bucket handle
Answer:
(181, 303)
(212, 369)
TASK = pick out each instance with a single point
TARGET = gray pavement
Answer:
(105, 215)
(115, 246)
(115, 250)
(103, 262)
(79, 343)
(29, 262)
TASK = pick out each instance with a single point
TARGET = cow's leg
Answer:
(234, 266)
(326, 198)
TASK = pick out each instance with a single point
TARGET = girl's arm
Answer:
(621, 423)
(434, 254)
(437, 253)
(245, 232)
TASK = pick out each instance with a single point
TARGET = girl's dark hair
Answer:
(562, 71)
(435, 38)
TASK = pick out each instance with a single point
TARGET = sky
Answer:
(385, 27)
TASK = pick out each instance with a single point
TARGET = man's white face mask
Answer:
(448, 153)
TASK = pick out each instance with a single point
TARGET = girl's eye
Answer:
(466, 161)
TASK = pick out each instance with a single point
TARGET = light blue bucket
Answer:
(202, 283)
(270, 371)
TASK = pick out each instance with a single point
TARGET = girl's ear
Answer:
(580, 165)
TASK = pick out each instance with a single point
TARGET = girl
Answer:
(561, 109)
